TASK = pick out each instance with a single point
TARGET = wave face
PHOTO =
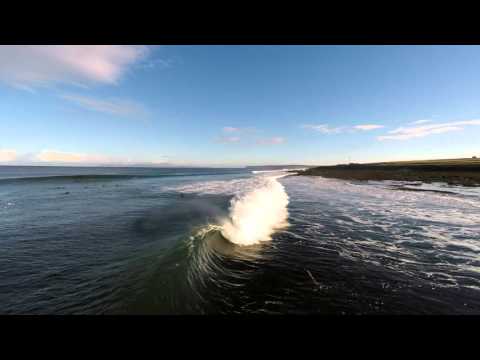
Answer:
(257, 210)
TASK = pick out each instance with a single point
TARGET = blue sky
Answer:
(237, 105)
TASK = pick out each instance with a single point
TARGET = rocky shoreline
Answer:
(465, 172)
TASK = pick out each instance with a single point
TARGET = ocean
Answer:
(233, 241)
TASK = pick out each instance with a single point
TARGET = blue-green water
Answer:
(137, 240)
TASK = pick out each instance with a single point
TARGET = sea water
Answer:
(232, 241)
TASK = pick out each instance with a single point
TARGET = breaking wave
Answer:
(256, 215)
(258, 207)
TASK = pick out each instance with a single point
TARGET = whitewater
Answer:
(258, 207)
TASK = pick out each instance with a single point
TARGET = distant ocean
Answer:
(233, 241)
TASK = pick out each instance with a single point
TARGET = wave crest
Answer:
(257, 214)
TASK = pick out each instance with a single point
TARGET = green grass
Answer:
(448, 162)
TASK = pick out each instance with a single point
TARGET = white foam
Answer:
(256, 215)
(431, 220)
(257, 210)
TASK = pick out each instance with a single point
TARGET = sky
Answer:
(234, 106)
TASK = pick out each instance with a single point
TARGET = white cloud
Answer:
(271, 141)
(58, 156)
(230, 129)
(368, 127)
(232, 134)
(246, 130)
(110, 106)
(418, 122)
(61, 157)
(30, 66)
(7, 155)
(405, 133)
(228, 139)
(324, 128)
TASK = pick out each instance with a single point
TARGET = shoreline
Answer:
(465, 172)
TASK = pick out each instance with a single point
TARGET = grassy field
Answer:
(452, 171)
(464, 161)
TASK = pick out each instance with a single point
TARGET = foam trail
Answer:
(255, 215)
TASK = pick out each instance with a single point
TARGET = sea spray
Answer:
(258, 207)
(255, 215)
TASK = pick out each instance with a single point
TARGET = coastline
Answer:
(465, 172)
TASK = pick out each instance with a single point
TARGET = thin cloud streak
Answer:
(61, 157)
(271, 141)
(232, 129)
(228, 139)
(111, 106)
(406, 133)
(418, 122)
(229, 129)
(235, 135)
(368, 127)
(324, 128)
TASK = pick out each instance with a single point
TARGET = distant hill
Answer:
(439, 162)
(276, 167)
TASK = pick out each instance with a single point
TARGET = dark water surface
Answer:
(136, 240)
